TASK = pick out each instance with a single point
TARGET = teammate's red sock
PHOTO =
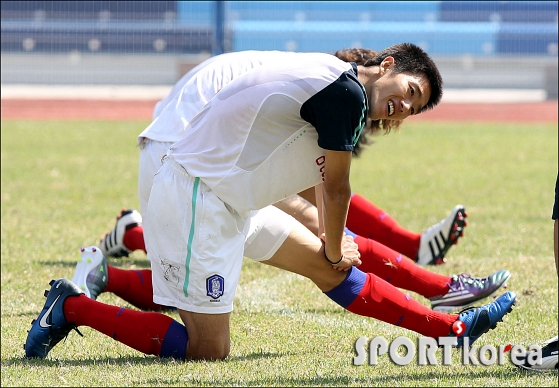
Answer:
(399, 270)
(147, 332)
(365, 219)
(134, 286)
(370, 296)
(133, 238)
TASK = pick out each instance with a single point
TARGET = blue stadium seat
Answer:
(195, 12)
(334, 10)
(88, 10)
(527, 38)
(441, 27)
(499, 11)
(436, 38)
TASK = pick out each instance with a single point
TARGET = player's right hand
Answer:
(350, 254)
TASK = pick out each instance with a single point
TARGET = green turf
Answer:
(64, 182)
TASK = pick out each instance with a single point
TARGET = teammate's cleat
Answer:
(465, 290)
(550, 358)
(476, 321)
(51, 325)
(112, 244)
(91, 274)
(437, 240)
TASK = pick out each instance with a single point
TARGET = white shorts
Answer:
(151, 152)
(196, 242)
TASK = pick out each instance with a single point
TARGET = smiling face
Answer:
(395, 96)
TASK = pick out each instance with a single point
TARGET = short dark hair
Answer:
(358, 55)
(412, 59)
(408, 58)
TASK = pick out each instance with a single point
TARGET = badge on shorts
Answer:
(215, 286)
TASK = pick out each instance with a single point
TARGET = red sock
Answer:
(365, 219)
(134, 238)
(134, 286)
(147, 332)
(388, 304)
(370, 296)
(399, 270)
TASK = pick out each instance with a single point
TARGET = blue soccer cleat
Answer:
(479, 320)
(51, 325)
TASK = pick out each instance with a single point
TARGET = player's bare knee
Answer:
(213, 351)
(208, 335)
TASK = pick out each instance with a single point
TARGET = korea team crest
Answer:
(215, 285)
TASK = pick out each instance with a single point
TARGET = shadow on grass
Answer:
(258, 356)
(419, 379)
(56, 263)
(139, 360)
(147, 360)
(422, 378)
(136, 263)
(30, 314)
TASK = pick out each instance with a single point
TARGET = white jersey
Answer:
(263, 136)
(189, 95)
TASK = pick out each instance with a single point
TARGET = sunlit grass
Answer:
(64, 182)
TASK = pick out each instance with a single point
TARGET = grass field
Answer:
(64, 182)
